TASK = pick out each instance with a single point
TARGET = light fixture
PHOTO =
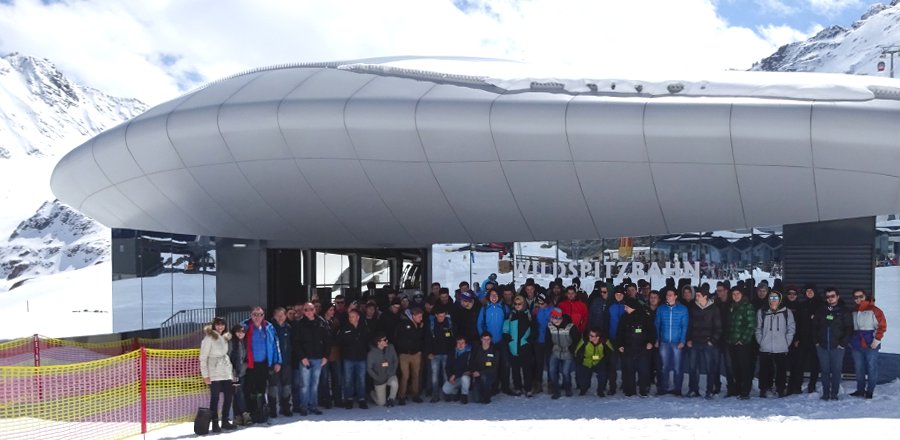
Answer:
(239, 245)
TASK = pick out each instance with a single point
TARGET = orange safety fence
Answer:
(43, 351)
(111, 398)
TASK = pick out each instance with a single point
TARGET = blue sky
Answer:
(797, 14)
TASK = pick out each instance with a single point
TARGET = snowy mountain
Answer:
(43, 115)
(837, 49)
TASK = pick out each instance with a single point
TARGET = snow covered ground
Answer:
(589, 417)
(71, 303)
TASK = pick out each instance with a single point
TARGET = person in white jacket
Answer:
(217, 372)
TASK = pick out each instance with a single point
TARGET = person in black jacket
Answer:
(465, 317)
(723, 303)
(440, 337)
(409, 342)
(809, 357)
(312, 343)
(794, 358)
(703, 335)
(635, 335)
(833, 325)
(485, 365)
(459, 371)
(353, 338)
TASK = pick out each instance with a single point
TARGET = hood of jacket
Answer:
(208, 331)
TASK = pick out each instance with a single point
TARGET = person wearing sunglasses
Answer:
(833, 327)
(381, 366)
(775, 329)
(518, 337)
(869, 327)
(262, 354)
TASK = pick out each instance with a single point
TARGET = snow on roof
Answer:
(516, 76)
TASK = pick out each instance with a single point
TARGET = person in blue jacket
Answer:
(616, 310)
(263, 353)
(541, 313)
(490, 320)
(671, 329)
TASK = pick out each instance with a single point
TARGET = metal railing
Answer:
(184, 329)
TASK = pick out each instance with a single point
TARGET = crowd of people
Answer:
(386, 348)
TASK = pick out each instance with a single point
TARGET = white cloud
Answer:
(831, 8)
(781, 35)
(778, 7)
(154, 50)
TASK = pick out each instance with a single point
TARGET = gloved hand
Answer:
(876, 343)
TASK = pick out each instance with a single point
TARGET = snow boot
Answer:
(228, 426)
(285, 403)
(215, 425)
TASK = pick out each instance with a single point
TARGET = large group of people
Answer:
(385, 348)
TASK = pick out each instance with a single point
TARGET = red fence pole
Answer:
(143, 373)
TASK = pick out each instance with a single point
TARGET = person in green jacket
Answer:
(739, 336)
(591, 357)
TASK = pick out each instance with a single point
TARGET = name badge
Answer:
(637, 330)
(830, 317)
(384, 364)
(595, 357)
(488, 364)
(490, 355)
(447, 334)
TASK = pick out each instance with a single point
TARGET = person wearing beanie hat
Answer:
(564, 336)
(542, 310)
(616, 311)
(634, 342)
(775, 330)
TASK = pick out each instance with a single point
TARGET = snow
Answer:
(589, 417)
(71, 303)
(517, 76)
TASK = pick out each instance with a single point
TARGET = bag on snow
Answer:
(201, 422)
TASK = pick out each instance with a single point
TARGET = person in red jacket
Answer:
(575, 309)
(869, 327)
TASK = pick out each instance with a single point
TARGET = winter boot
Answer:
(858, 393)
(554, 392)
(228, 426)
(363, 404)
(285, 403)
(238, 420)
(215, 425)
(245, 417)
(273, 410)
(464, 399)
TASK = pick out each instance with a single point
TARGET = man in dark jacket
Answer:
(833, 325)
(809, 357)
(280, 383)
(704, 332)
(390, 319)
(440, 337)
(465, 317)
(459, 371)
(409, 342)
(485, 365)
(634, 341)
(312, 343)
(794, 358)
(353, 339)
(723, 303)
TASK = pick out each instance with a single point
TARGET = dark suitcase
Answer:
(260, 413)
(201, 422)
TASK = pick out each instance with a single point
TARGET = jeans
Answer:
(670, 356)
(354, 380)
(438, 363)
(462, 385)
(865, 363)
(309, 388)
(330, 384)
(726, 368)
(583, 376)
(560, 366)
(831, 361)
(706, 357)
(297, 385)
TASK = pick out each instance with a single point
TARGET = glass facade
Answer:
(157, 274)
(701, 257)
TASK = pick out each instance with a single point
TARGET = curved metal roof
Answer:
(358, 155)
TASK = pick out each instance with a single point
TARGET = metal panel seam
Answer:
(662, 213)
(737, 179)
(575, 170)
(503, 170)
(427, 161)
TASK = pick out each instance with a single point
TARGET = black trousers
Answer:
(742, 367)
(520, 367)
(257, 378)
(227, 389)
(611, 373)
(772, 371)
(541, 353)
(635, 363)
